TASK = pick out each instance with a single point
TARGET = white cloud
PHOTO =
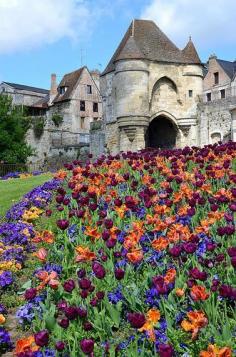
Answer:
(26, 24)
(209, 22)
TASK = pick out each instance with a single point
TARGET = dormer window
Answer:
(216, 77)
(62, 90)
(89, 89)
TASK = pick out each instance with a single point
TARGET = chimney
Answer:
(96, 77)
(53, 89)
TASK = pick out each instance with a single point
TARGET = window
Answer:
(208, 97)
(190, 93)
(95, 107)
(89, 89)
(216, 77)
(222, 93)
(82, 122)
(62, 90)
(82, 105)
(95, 119)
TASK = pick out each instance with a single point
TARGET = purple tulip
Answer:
(30, 293)
(69, 285)
(98, 270)
(84, 283)
(71, 312)
(64, 323)
(136, 319)
(166, 350)
(59, 345)
(42, 338)
(87, 345)
(63, 224)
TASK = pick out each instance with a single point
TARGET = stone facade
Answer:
(138, 92)
(71, 137)
(217, 108)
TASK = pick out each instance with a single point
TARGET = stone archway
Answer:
(161, 133)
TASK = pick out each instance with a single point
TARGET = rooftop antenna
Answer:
(82, 57)
(132, 33)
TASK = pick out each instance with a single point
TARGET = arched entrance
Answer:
(161, 133)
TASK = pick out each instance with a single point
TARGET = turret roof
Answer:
(144, 40)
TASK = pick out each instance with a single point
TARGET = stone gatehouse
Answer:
(151, 90)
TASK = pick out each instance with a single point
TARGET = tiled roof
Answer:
(228, 67)
(27, 88)
(69, 81)
(144, 40)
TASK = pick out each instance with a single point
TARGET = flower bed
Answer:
(138, 258)
(21, 175)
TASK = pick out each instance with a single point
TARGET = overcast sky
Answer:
(38, 37)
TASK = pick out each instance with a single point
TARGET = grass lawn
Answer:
(11, 191)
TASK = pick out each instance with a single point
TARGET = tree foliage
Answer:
(13, 128)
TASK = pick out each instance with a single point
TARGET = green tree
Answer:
(13, 128)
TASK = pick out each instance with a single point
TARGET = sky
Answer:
(40, 37)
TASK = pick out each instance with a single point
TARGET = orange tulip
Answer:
(41, 254)
(214, 351)
(135, 256)
(198, 292)
(25, 345)
(160, 243)
(196, 321)
(179, 292)
(170, 276)
(84, 254)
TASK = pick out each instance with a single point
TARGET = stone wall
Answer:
(215, 120)
(139, 91)
(97, 138)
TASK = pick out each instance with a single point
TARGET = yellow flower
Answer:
(2, 319)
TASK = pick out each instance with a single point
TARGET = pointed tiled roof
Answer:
(228, 67)
(190, 52)
(69, 81)
(144, 40)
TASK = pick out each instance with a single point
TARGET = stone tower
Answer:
(150, 91)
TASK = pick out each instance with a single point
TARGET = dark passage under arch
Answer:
(161, 133)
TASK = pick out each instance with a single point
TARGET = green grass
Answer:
(11, 191)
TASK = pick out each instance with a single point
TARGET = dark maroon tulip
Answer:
(87, 326)
(71, 312)
(60, 208)
(110, 243)
(91, 289)
(82, 312)
(84, 283)
(118, 202)
(108, 223)
(63, 224)
(100, 295)
(59, 345)
(225, 290)
(87, 345)
(81, 273)
(136, 319)
(94, 301)
(80, 213)
(59, 198)
(69, 285)
(84, 294)
(189, 247)
(119, 274)
(98, 270)
(41, 338)
(105, 235)
(195, 273)
(48, 212)
(104, 258)
(62, 305)
(233, 261)
(232, 251)
(64, 323)
(220, 258)
(30, 293)
(166, 350)
(175, 251)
